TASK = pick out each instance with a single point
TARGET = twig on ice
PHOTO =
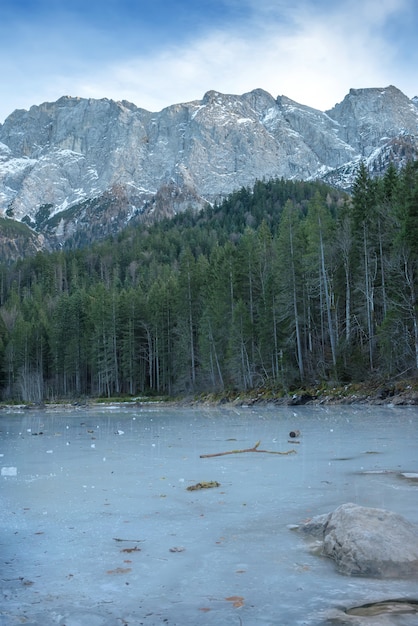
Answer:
(255, 448)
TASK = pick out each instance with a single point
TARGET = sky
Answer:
(155, 53)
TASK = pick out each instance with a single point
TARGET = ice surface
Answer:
(98, 527)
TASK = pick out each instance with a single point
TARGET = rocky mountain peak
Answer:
(61, 162)
(367, 116)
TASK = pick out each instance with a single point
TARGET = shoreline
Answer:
(385, 395)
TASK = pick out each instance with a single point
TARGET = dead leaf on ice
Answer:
(119, 570)
(129, 550)
(204, 485)
(237, 601)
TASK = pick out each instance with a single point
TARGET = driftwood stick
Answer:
(255, 448)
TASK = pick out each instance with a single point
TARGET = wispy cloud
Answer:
(312, 56)
(312, 52)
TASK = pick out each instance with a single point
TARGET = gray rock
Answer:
(366, 116)
(316, 526)
(63, 163)
(367, 541)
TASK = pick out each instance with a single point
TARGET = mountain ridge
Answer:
(78, 169)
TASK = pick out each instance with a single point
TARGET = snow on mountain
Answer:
(82, 165)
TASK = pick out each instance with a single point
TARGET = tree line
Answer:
(283, 285)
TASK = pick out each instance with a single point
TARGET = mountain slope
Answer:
(78, 169)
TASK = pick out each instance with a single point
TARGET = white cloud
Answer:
(312, 52)
(311, 57)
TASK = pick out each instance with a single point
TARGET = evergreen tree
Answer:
(291, 295)
(283, 285)
(320, 275)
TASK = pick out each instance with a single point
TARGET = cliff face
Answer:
(368, 117)
(84, 168)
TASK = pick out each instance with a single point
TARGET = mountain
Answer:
(78, 169)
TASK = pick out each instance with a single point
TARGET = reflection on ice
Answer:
(98, 526)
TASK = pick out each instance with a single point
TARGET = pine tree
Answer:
(291, 295)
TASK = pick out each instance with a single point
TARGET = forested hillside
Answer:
(284, 285)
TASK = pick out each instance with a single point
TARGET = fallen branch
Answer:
(255, 448)
(129, 540)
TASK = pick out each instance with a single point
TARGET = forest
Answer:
(286, 285)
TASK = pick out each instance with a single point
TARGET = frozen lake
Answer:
(98, 527)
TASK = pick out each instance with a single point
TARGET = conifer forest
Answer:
(285, 285)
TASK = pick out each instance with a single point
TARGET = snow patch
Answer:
(199, 108)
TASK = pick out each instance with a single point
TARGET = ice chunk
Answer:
(9, 471)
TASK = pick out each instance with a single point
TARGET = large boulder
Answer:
(367, 541)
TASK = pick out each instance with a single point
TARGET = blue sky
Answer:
(159, 52)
